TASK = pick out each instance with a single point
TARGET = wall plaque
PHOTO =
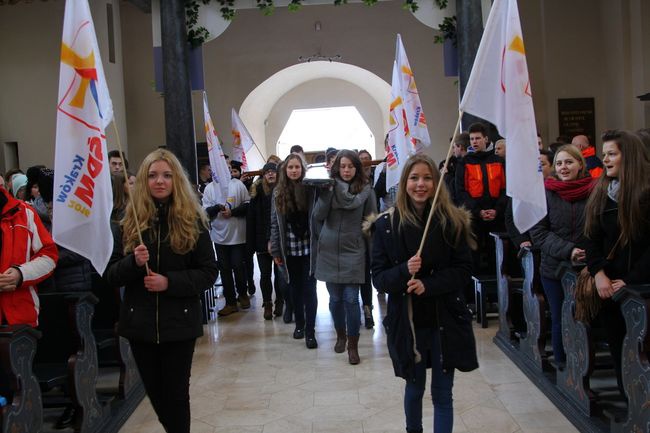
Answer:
(577, 116)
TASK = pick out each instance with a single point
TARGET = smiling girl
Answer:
(434, 281)
(559, 234)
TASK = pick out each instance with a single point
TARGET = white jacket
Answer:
(227, 231)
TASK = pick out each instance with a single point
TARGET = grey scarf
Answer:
(344, 199)
(612, 189)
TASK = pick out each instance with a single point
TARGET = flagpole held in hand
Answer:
(131, 202)
(418, 356)
(442, 176)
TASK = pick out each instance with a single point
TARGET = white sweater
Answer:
(227, 231)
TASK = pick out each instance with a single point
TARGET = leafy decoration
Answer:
(447, 31)
(197, 35)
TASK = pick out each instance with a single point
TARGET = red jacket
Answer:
(27, 246)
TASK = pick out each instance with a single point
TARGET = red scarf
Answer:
(571, 190)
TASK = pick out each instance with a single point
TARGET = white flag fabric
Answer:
(242, 143)
(408, 91)
(400, 145)
(83, 199)
(218, 165)
(499, 91)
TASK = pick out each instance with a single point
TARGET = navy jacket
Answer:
(444, 283)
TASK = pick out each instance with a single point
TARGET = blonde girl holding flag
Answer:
(161, 311)
(439, 324)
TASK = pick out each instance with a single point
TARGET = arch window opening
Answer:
(317, 129)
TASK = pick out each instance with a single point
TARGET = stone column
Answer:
(179, 121)
(469, 18)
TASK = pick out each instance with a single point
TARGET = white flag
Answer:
(408, 91)
(83, 199)
(243, 142)
(399, 146)
(499, 91)
(218, 165)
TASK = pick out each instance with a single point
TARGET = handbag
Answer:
(588, 302)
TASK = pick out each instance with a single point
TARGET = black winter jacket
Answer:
(258, 221)
(631, 263)
(559, 232)
(172, 315)
(444, 274)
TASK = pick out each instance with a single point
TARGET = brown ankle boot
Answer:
(353, 350)
(341, 339)
(268, 310)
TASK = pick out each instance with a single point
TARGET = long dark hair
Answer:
(290, 195)
(633, 192)
(359, 180)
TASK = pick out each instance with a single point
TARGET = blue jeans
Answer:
(441, 384)
(344, 306)
(555, 297)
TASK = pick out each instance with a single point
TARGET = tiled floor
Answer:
(250, 376)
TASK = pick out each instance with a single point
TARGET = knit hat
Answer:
(18, 181)
(46, 184)
(269, 166)
(32, 177)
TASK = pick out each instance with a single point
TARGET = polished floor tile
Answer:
(250, 376)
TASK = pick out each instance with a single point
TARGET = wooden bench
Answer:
(24, 410)
(67, 356)
(573, 379)
(635, 305)
(533, 344)
(113, 350)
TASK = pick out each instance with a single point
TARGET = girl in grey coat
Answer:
(341, 257)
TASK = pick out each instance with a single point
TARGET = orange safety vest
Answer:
(474, 182)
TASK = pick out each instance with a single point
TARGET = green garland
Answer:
(197, 35)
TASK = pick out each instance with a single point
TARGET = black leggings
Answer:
(165, 372)
(265, 262)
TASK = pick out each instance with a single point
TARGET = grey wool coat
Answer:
(342, 248)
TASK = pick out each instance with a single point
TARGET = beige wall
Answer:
(30, 35)
(577, 48)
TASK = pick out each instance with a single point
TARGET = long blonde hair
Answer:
(458, 220)
(184, 217)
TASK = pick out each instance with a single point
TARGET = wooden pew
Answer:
(24, 412)
(112, 349)
(635, 305)
(573, 380)
(534, 343)
(67, 355)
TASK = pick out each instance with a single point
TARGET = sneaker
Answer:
(244, 302)
(299, 333)
(227, 310)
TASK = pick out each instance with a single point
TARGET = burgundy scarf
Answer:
(571, 190)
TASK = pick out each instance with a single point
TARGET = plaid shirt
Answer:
(297, 246)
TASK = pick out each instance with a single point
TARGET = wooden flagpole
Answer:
(130, 195)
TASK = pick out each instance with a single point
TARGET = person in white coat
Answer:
(228, 232)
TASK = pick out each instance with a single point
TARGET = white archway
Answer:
(256, 107)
